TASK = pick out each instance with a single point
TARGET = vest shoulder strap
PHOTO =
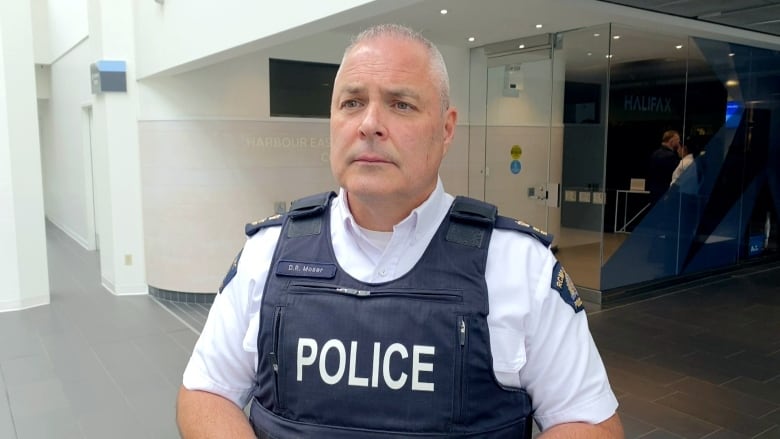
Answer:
(503, 222)
(274, 220)
(471, 221)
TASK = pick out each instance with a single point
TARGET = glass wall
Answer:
(573, 134)
(722, 99)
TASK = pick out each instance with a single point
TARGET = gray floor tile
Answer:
(636, 385)
(115, 421)
(647, 371)
(7, 429)
(57, 423)
(660, 434)
(23, 370)
(768, 391)
(36, 398)
(634, 428)
(726, 434)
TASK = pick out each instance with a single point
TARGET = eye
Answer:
(404, 106)
(351, 103)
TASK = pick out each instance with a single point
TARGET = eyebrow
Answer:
(400, 92)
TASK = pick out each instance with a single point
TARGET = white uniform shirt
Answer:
(537, 340)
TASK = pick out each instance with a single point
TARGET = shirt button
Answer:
(383, 272)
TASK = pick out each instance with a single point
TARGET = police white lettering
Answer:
(375, 366)
(306, 360)
(391, 383)
(308, 352)
(353, 380)
(339, 346)
(418, 367)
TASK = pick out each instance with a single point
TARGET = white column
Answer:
(118, 202)
(23, 264)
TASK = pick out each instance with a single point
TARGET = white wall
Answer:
(213, 159)
(40, 25)
(23, 263)
(65, 158)
(67, 26)
(181, 32)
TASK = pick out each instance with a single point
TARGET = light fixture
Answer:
(609, 55)
(596, 35)
(471, 39)
(732, 83)
(522, 46)
(679, 46)
(444, 12)
(590, 53)
(538, 26)
(616, 37)
(731, 54)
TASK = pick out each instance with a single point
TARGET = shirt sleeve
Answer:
(224, 359)
(563, 373)
(539, 341)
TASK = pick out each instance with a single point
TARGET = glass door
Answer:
(518, 137)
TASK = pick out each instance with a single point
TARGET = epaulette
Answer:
(255, 226)
(503, 222)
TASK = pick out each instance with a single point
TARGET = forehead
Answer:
(386, 57)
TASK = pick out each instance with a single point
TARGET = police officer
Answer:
(393, 309)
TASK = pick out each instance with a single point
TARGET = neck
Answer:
(380, 216)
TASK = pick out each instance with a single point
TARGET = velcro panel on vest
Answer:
(470, 220)
(306, 214)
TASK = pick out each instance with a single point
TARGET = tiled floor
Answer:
(701, 361)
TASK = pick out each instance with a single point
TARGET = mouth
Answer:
(370, 159)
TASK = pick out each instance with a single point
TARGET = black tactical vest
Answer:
(339, 358)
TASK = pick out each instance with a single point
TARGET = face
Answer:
(674, 142)
(388, 132)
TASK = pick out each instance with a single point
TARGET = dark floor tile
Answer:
(769, 391)
(624, 382)
(666, 418)
(632, 427)
(773, 417)
(726, 434)
(693, 365)
(659, 434)
(731, 399)
(773, 433)
(715, 413)
(656, 374)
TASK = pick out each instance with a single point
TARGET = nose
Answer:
(372, 125)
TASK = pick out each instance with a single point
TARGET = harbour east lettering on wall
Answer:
(649, 104)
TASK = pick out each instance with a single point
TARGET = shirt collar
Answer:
(427, 213)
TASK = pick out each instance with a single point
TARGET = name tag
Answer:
(306, 269)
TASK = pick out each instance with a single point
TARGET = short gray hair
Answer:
(435, 59)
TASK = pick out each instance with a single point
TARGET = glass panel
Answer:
(582, 67)
(647, 104)
(517, 138)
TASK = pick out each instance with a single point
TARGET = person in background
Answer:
(688, 153)
(663, 161)
(394, 309)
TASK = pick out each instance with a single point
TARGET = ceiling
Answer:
(492, 21)
(754, 15)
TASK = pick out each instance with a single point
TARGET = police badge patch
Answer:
(231, 273)
(561, 282)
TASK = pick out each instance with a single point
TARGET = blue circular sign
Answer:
(515, 167)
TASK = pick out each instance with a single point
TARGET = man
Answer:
(392, 310)
(663, 161)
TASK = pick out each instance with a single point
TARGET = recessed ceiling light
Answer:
(596, 35)
(731, 54)
(679, 46)
(590, 53)
(444, 12)
(609, 56)
(522, 46)
(616, 37)
(472, 39)
(538, 26)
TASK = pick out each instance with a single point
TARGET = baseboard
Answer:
(80, 240)
(18, 305)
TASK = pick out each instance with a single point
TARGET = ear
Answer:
(450, 121)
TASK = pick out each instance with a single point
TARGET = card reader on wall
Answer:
(108, 76)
